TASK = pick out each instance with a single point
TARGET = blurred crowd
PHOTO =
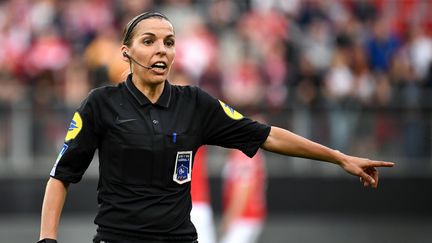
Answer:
(354, 74)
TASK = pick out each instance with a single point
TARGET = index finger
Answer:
(382, 164)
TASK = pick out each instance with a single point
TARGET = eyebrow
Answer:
(152, 34)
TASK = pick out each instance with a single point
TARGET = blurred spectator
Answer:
(408, 93)
(339, 89)
(48, 52)
(317, 45)
(382, 45)
(363, 79)
(263, 29)
(291, 58)
(275, 71)
(12, 93)
(103, 58)
(222, 14)
(196, 47)
(244, 200)
(364, 10)
(48, 112)
(427, 88)
(202, 213)
(385, 128)
(211, 79)
(76, 83)
(307, 82)
(311, 10)
(291, 7)
(420, 50)
(15, 34)
(128, 9)
(243, 85)
(42, 15)
(181, 12)
(307, 98)
(81, 19)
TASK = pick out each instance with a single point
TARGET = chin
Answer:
(158, 80)
(153, 79)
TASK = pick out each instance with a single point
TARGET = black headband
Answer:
(131, 25)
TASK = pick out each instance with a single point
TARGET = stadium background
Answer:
(355, 75)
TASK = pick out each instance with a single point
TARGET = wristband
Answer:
(46, 240)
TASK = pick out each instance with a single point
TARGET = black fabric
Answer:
(138, 143)
(112, 238)
(47, 241)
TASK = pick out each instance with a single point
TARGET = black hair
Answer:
(128, 30)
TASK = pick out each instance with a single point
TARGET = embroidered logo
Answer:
(183, 167)
(74, 127)
(119, 121)
(233, 114)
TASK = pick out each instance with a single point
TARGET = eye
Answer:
(169, 43)
(148, 42)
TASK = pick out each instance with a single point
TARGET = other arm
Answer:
(285, 142)
(241, 191)
(55, 195)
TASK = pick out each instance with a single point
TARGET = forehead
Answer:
(156, 26)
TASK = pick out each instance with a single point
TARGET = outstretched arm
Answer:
(285, 142)
(55, 195)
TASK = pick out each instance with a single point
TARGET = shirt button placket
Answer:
(154, 117)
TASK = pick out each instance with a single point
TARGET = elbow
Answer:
(269, 143)
(58, 183)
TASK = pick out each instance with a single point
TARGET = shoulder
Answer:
(98, 97)
(190, 92)
(185, 89)
(104, 92)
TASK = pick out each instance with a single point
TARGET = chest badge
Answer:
(183, 167)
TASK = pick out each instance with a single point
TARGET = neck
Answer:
(152, 91)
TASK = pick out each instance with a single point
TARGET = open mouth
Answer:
(161, 65)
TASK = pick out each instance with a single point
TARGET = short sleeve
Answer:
(80, 143)
(224, 126)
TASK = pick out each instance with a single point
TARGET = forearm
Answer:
(55, 194)
(285, 142)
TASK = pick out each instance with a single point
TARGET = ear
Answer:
(124, 49)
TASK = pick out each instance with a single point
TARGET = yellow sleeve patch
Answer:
(74, 127)
(233, 114)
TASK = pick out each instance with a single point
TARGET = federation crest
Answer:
(74, 127)
(233, 114)
(183, 167)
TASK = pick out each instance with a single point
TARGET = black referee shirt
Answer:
(146, 155)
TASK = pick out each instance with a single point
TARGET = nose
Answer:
(160, 48)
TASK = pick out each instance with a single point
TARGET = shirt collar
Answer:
(163, 100)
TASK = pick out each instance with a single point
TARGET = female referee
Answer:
(147, 132)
